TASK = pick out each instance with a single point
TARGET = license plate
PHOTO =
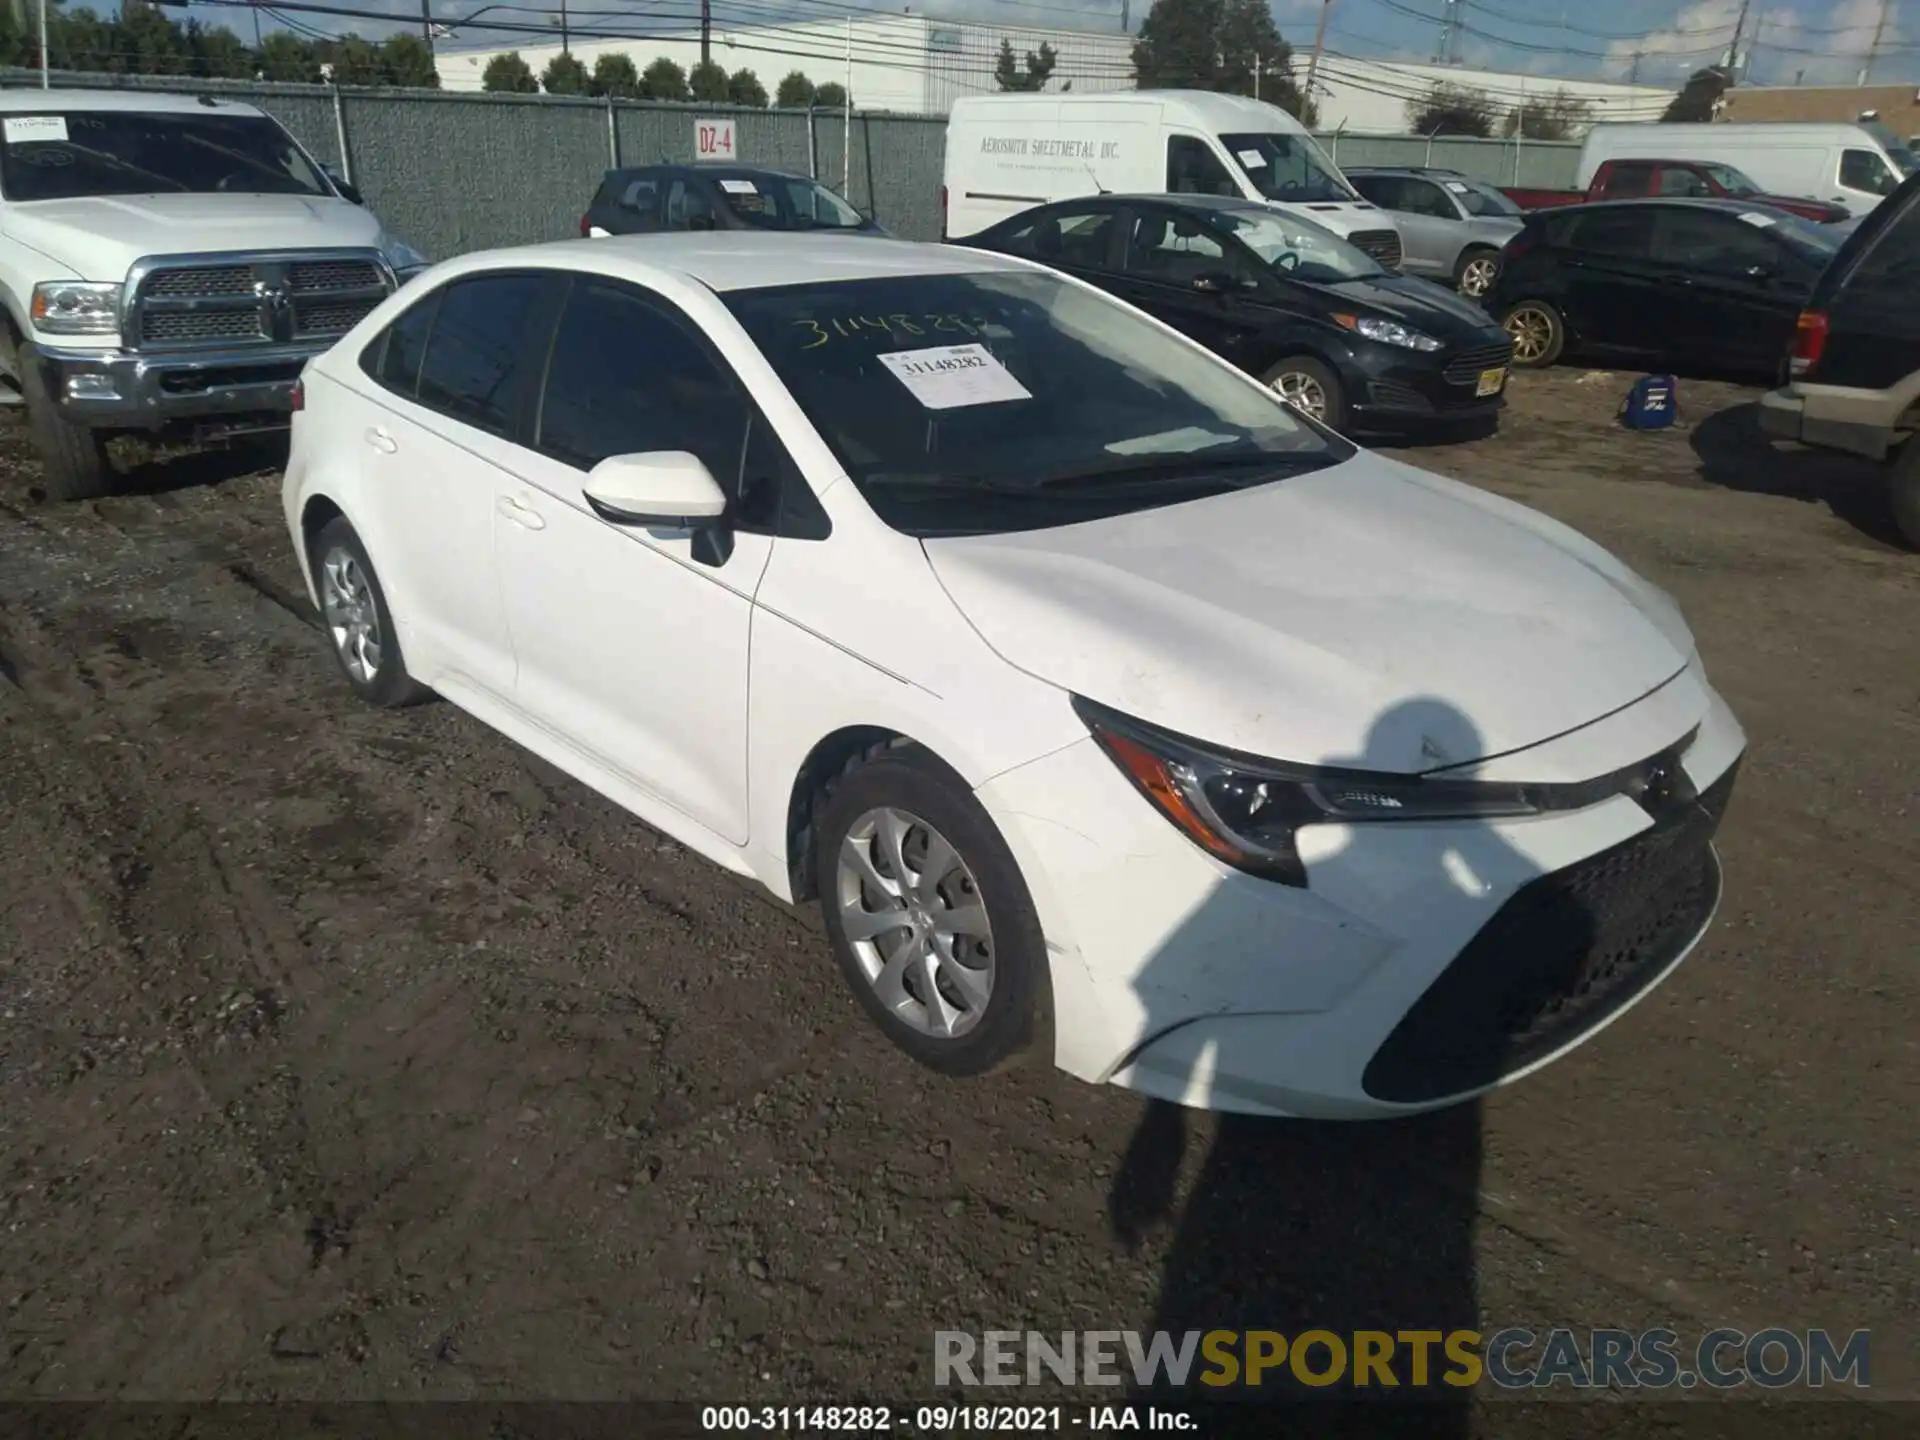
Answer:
(1492, 382)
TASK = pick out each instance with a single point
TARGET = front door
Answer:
(633, 641)
(1165, 253)
(1732, 290)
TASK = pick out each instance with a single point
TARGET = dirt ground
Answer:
(351, 1054)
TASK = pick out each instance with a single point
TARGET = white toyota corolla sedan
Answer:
(1102, 702)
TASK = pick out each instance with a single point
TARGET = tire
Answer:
(1904, 491)
(73, 457)
(1538, 330)
(981, 1019)
(1303, 375)
(358, 622)
(1475, 271)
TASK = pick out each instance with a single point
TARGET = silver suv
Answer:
(1452, 227)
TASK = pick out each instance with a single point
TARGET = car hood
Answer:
(99, 237)
(1328, 618)
(1422, 304)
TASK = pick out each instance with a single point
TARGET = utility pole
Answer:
(1873, 51)
(1736, 55)
(1319, 44)
(1633, 70)
(426, 21)
(706, 31)
(846, 130)
(563, 28)
(45, 82)
(1256, 74)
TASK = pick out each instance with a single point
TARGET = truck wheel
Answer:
(1539, 334)
(1475, 272)
(1905, 492)
(73, 456)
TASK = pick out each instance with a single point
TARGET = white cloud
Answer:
(1786, 49)
(1699, 36)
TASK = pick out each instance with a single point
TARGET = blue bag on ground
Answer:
(1652, 403)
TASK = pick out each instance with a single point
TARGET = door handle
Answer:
(525, 516)
(378, 437)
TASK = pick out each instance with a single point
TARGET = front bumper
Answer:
(1390, 388)
(1424, 964)
(122, 389)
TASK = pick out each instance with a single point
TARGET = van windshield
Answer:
(126, 152)
(1903, 158)
(1289, 167)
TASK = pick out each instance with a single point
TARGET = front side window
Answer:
(1289, 167)
(773, 202)
(477, 360)
(1864, 170)
(1734, 182)
(1173, 247)
(1621, 233)
(966, 404)
(1627, 181)
(1483, 199)
(1683, 183)
(1426, 198)
(1193, 169)
(64, 156)
(627, 378)
(1294, 247)
(1714, 244)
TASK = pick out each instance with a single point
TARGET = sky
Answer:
(1657, 42)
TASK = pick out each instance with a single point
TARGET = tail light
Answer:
(1809, 344)
(586, 228)
(299, 396)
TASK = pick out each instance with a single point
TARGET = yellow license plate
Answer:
(1492, 382)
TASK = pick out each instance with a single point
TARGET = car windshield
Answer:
(1288, 167)
(997, 401)
(1481, 198)
(781, 202)
(124, 152)
(1733, 181)
(1903, 158)
(1295, 248)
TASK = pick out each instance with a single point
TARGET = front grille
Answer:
(330, 317)
(1467, 367)
(1382, 245)
(183, 326)
(306, 276)
(1564, 953)
(271, 298)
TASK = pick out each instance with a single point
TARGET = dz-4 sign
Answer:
(713, 140)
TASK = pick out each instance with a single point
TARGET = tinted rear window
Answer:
(1883, 257)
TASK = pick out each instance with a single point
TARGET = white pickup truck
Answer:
(168, 263)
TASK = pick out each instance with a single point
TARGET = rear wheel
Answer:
(1310, 387)
(1475, 272)
(1539, 334)
(354, 613)
(1905, 491)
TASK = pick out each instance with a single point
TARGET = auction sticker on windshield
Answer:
(1252, 159)
(738, 187)
(947, 377)
(25, 129)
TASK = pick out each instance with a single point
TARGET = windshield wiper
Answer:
(126, 165)
(1196, 468)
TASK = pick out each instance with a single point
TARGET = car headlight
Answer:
(1247, 811)
(76, 307)
(1388, 332)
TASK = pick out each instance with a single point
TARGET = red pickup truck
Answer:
(1632, 179)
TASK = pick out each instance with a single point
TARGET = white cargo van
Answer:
(1855, 165)
(1008, 153)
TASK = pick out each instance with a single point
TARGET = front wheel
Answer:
(1311, 388)
(1474, 274)
(1539, 334)
(928, 914)
(1905, 492)
(73, 458)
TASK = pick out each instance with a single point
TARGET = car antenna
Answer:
(1096, 180)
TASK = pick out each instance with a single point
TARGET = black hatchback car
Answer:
(1355, 345)
(716, 197)
(1676, 283)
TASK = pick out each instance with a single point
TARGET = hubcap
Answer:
(912, 912)
(1303, 392)
(1477, 278)
(353, 619)
(1532, 332)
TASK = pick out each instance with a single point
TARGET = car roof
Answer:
(724, 260)
(1724, 203)
(723, 170)
(143, 101)
(1191, 202)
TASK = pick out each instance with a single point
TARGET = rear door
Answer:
(1731, 290)
(1430, 229)
(1078, 239)
(1611, 295)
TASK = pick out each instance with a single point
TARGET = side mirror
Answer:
(348, 190)
(661, 489)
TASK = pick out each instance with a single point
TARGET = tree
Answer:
(1451, 110)
(355, 61)
(409, 62)
(708, 82)
(744, 88)
(1255, 59)
(663, 80)
(613, 74)
(1559, 117)
(1700, 96)
(145, 42)
(1179, 45)
(1010, 74)
(218, 53)
(795, 92)
(285, 56)
(509, 74)
(565, 75)
(831, 96)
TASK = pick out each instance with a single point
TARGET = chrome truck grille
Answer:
(193, 302)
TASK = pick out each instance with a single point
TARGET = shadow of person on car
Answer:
(1735, 454)
(1294, 1226)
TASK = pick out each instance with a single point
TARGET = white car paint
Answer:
(1367, 615)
